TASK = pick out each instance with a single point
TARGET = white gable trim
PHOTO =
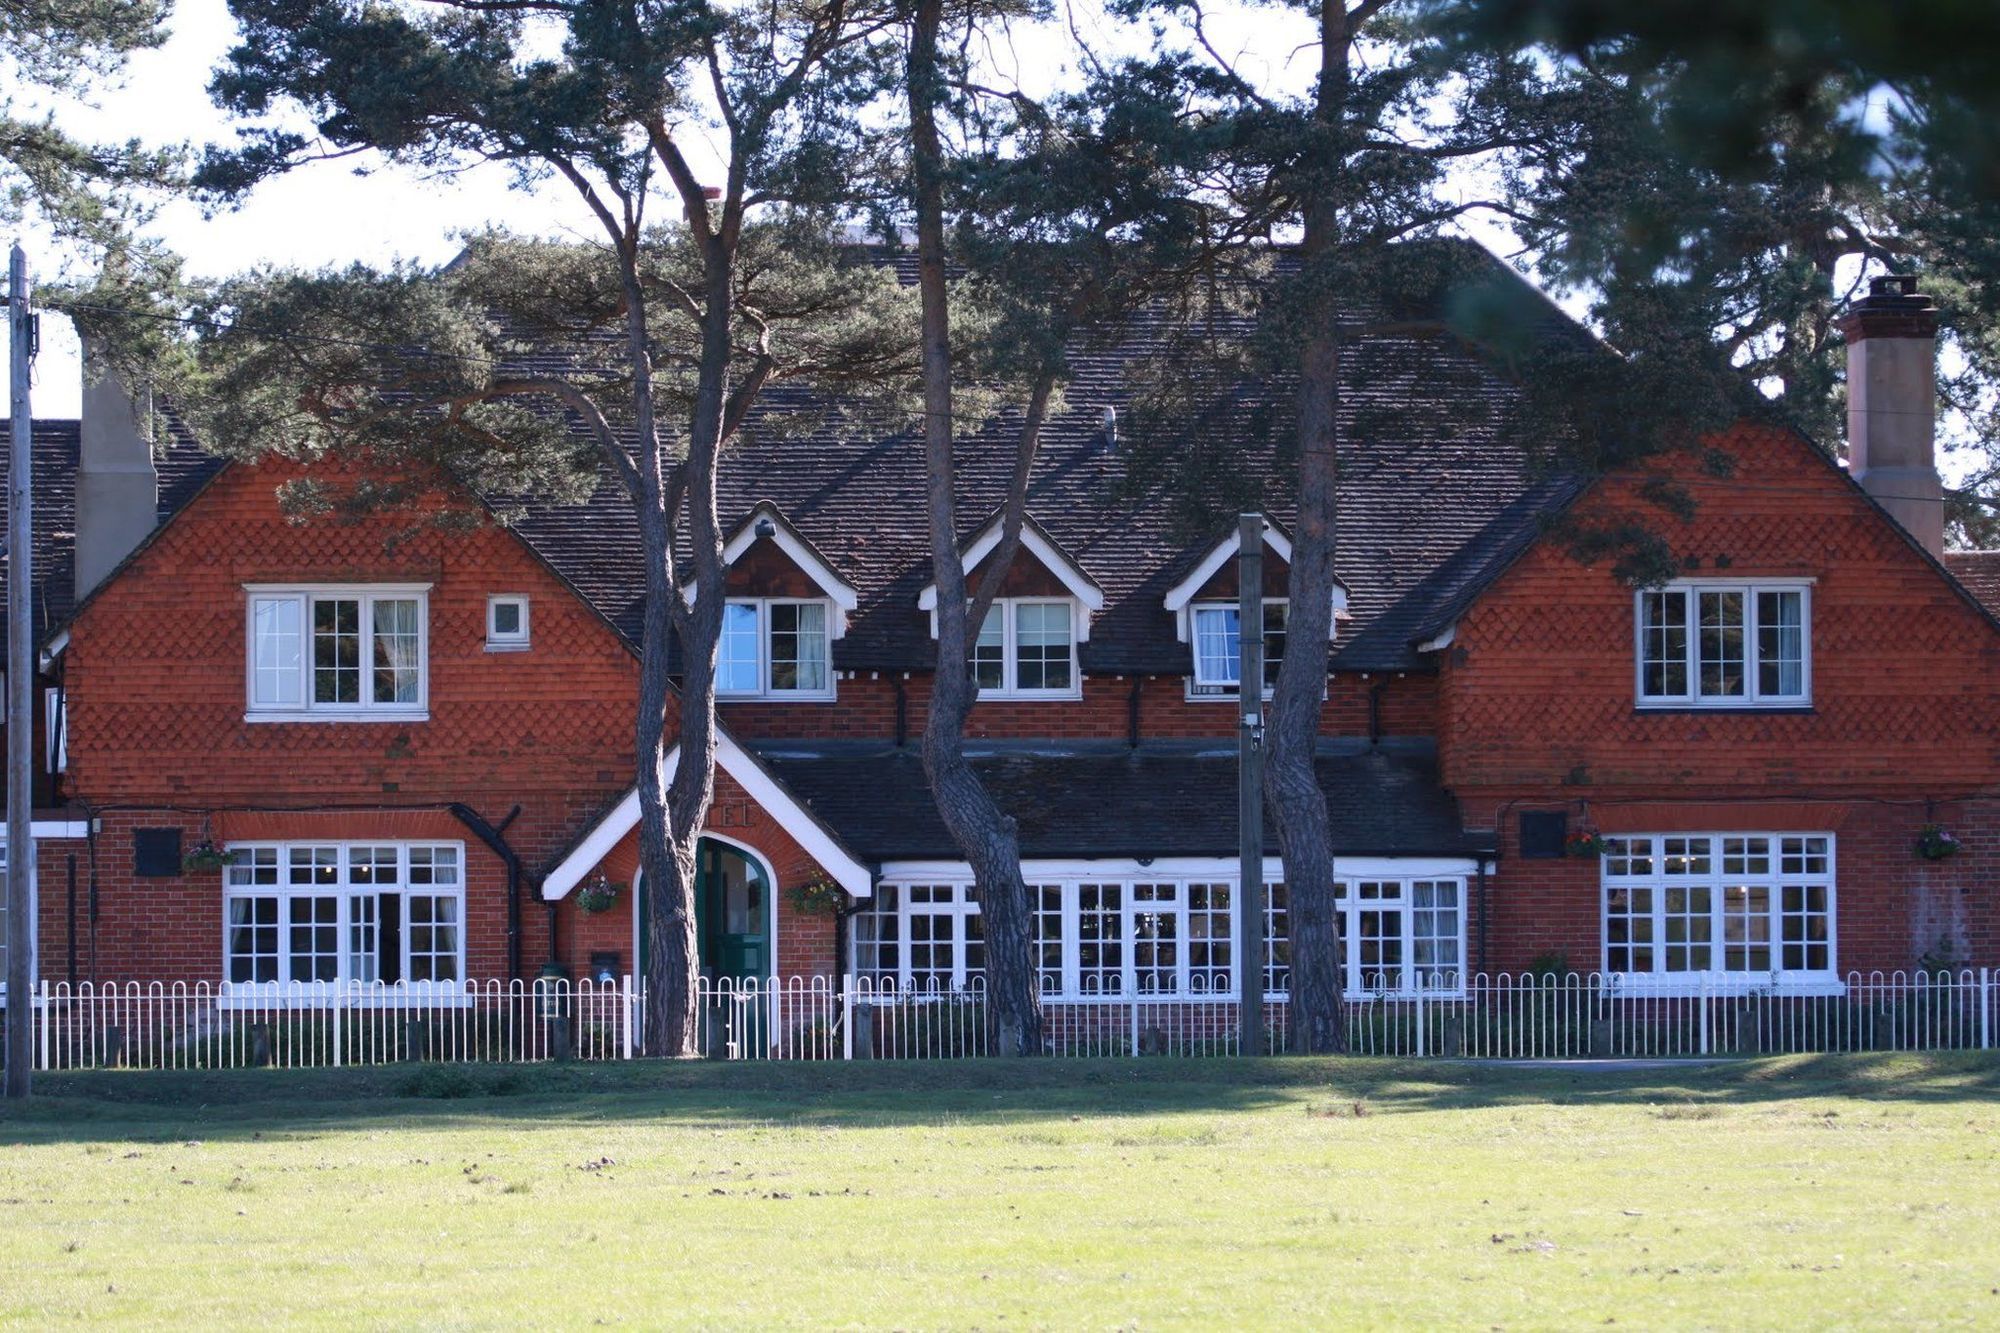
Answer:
(1078, 583)
(1182, 594)
(755, 779)
(796, 548)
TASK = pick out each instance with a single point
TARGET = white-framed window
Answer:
(775, 647)
(1217, 647)
(506, 623)
(329, 653)
(1725, 644)
(343, 913)
(1027, 650)
(1730, 909)
(1164, 937)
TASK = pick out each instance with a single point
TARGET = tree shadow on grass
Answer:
(115, 1105)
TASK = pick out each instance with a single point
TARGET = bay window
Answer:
(1731, 908)
(344, 913)
(1218, 647)
(326, 653)
(1027, 649)
(775, 647)
(1725, 644)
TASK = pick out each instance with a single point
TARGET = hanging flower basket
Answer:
(1936, 843)
(817, 897)
(599, 895)
(1585, 842)
(205, 856)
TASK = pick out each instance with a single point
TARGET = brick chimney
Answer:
(1892, 404)
(117, 486)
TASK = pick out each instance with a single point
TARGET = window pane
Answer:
(736, 658)
(1100, 924)
(1277, 939)
(1435, 933)
(1216, 649)
(989, 651)
(1746, 928)
(433, 937)
(1049, 936)
(1806, 927)
(336, 650)
(1210, 942)
(397, 650)
(278, 643)
(1276, 616)
(363, 941)
(877, 938)
(930, 936)
(798, 646)
(1781, 644)
(1722, 645)
(253, 939)
(1156, 937)
(315, 938)
(1041, 643)
(1663, 644)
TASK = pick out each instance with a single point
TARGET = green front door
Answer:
(732, 913)
(732, 924)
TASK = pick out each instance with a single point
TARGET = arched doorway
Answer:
(734, 902)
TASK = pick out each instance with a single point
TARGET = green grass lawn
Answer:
(1788, 1192)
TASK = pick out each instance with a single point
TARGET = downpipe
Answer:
(493, 836)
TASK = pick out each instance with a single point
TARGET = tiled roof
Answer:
(1979, 571)
(1434, 500)
(1161, 799)
(183, 469)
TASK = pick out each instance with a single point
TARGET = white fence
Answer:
(1501, 1017)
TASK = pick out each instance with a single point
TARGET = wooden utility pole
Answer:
(1250, 783)
(20, 685)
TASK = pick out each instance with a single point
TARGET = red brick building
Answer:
(350, 752)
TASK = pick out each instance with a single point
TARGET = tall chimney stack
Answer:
(117, 486)
(1892, 404)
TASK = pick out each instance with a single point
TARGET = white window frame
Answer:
(304, 595)
(1751, 697)
(1200, 690)
(1010, 660)
(1182, 874)
(764, 689)
(1718, 980)
(519, 641)
(252, 994)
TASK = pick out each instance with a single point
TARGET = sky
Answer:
(330, 214)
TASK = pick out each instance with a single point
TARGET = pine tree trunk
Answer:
(1298, 803)
(984, 833)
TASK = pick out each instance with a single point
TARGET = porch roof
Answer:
(1094, 800)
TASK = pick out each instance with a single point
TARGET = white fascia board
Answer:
(1079, 584)
(54, 649)
(1181, 595)
(837, 589)
(797, 822)
(51, 830)
(1180, 867)
(1442, 639)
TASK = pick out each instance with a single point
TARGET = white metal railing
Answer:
(1501, 1017)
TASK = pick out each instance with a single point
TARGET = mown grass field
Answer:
(1801, 1192)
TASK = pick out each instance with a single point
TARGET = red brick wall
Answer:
(1536, 706)
(805, 943)
(155, 670)
(866, 709)
(1539, 683)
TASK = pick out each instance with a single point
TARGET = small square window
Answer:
(506, 623)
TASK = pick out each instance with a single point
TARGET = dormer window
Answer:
(1027, 649)
(1218, 647)
(1725, 644)
(1204, 607)
(775, 647)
